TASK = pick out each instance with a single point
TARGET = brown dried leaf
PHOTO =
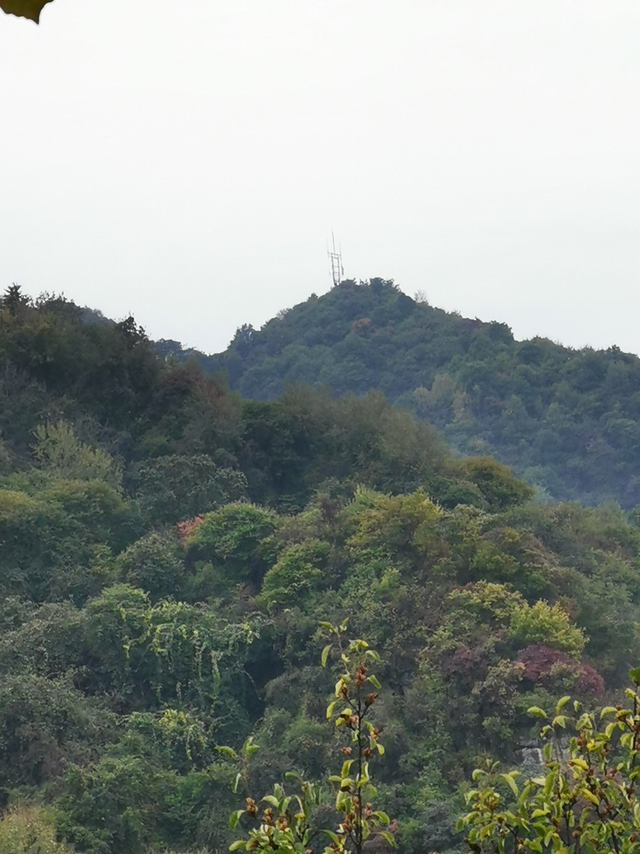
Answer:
(24, 8)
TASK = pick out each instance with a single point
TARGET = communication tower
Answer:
(335, 258)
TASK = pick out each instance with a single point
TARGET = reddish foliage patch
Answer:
(466, 664)
(541, 664)
(185, 528)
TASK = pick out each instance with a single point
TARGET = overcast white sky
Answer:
(187, 161)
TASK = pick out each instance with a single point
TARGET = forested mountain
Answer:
(566, 420)
(168, 550)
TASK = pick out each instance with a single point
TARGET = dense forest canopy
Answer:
(169, 548)
(566, 420)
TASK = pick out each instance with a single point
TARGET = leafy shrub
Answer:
(178, 486)
(44, 724)
(297, 572)
(547, 624)
(236, 539)
(153, 563)
(57, 449)
(29, 829)
(546, 666)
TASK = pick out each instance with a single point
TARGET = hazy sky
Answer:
(187, 161)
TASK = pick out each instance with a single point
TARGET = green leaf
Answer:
(228, 750)
(239, 843)
(236, 785)
(374, 681)
(634, 675)
(580, 763)
(304, 807)
(562, 702)
(608, 710)
(329, 626)
(325, 655)
(249, 746)
(346, 767)
(235, 818)
(364, 778)
(330, 709)
(511, 783)
(537, 711)
(24, 8)
(293, 774)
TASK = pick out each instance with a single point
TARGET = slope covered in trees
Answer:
(565, 420)
(168, 550)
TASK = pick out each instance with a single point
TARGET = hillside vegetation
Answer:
(566, 420)
(168, 550)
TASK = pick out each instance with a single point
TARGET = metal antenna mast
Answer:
(335, 257)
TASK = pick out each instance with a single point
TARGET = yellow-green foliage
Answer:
(297, 572)
(486, 602)
(57, 449)
(235, 538)
(523, 624)
(29, 830)
(497, 483)
(16, 506)
(547, 624)
(390, 524)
